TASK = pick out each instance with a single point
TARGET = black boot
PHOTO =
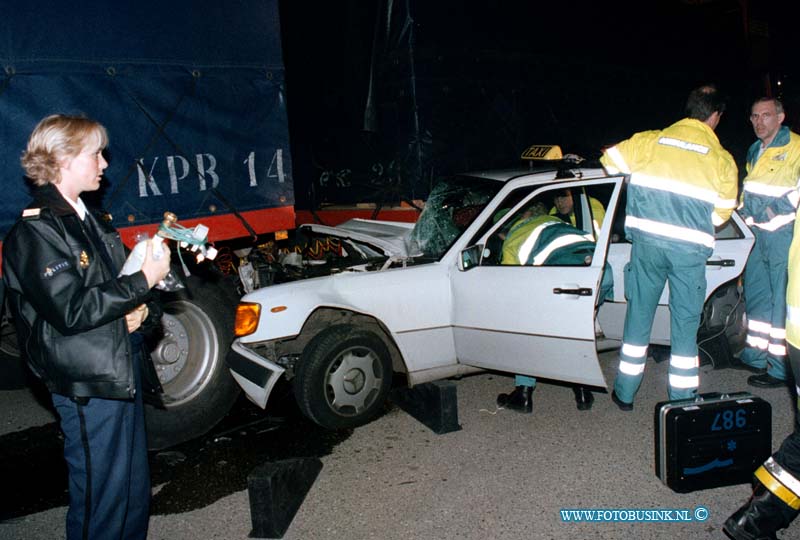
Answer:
(760, 517)
(583, 397)
(765, 380)
(520, 400)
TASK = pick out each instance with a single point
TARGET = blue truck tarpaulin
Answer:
(192, 94)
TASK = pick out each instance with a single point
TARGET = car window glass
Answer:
(452, 206)
(589, 207)
(729, 231)
(511, 200)
(532, 234)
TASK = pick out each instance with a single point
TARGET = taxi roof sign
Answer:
(543, 152)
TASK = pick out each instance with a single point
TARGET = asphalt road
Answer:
(503, 475)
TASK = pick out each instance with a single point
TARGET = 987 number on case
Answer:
(729, 419)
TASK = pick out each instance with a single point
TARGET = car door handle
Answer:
(721, 262)
(583, 291)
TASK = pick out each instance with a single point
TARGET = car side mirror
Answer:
(470, 258)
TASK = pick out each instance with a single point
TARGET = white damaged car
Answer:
(431, 299)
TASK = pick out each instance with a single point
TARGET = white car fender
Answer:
(286, 307)
(413, 303)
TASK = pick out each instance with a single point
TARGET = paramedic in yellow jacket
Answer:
(776, 497)
(564, 209)
(769, 204)
(537, 238)
(683, 184)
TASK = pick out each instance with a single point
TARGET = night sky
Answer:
(492, 77)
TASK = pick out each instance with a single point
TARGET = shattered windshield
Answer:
(451, 207)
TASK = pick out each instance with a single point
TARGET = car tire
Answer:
(723, 330)
(344, 377)
(190, 363)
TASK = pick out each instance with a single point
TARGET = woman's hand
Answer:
(155, 269)
(135, 318)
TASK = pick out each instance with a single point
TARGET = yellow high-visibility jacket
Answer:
(683, 183)
(546, 240)
(769, 195)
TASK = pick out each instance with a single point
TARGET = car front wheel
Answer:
(344, 377)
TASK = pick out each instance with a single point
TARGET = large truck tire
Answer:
(8, 337)
(190, 363)
(344, 377)
(12, 366)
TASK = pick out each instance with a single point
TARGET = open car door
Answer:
(535, 316)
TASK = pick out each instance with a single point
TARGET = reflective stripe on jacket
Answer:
(546, 240)
(769, 193)
(683, 184)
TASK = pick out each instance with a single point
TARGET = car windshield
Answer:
(451, 207)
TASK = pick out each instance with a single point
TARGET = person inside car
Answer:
(564, 209)
(538, 238)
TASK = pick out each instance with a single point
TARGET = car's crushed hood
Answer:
(388, 236)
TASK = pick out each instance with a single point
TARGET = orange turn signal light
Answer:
(247, 314)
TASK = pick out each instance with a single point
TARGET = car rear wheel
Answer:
(723, 329)
(344, 377)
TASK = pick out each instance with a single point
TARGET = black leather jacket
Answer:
(68, 304)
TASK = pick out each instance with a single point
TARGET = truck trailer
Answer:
(194, 100)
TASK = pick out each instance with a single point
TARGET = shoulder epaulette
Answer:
(31, 213)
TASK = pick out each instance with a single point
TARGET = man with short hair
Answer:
(564, 209)
(769, 204)
(682, 185)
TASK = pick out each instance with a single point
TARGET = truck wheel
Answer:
(12, 365)
(8, 334)
(190, 363)
(343, 378)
